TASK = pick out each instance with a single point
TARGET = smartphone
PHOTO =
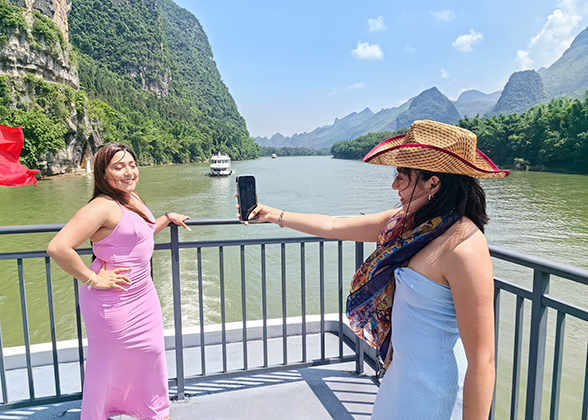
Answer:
(246, 197)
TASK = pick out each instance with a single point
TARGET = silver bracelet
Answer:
(280, 221)
(169, 220)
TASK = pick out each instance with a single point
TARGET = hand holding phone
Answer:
(246, 197)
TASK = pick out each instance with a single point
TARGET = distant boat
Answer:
(220, 165)
(274, 156)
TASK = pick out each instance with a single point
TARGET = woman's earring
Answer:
(431, 196)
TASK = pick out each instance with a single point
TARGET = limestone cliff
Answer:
(523, 90)
(33, 42)
(39, 79)
(142, 73)
(56, 10)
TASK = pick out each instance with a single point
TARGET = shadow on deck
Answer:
(323, 392)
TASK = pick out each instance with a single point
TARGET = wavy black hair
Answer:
(460, 192)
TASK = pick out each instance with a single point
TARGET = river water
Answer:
(543, 214)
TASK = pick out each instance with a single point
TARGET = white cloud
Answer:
(562, 26)
(366, 51)
(444, 74)
(409, 49)
(333, 92)
(523, 60)
(356, 86)
(377, 24)
(464, 43)
(445, 15)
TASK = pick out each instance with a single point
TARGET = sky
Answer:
(294, 66)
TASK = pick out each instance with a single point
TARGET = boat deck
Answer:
(332, 391)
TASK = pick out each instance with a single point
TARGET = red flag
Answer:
(12, 172)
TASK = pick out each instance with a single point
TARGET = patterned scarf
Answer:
(369, 305)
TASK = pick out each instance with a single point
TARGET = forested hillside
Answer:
(551, 137)
(38, 84)
(141, 72)
(149, 69)
(523, 90)
(569, 75)
(358, 148)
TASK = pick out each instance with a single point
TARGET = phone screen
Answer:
(247, 196)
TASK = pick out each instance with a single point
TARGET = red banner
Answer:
(12, 172)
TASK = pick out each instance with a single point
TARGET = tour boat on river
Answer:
(220, 165)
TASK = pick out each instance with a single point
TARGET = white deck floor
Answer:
(322, 392)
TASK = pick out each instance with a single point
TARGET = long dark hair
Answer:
(101, 184)
(460, 192)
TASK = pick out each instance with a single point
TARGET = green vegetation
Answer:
(552, 137)
(430, 104)
(358, 148)
(293, 151)
(43, 118)
(11, 18)
(170, 106)
(523, 90)
(45, 28)
(149, 74)
(165, 129)
(569, 75)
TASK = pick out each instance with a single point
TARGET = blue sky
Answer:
(293, 66)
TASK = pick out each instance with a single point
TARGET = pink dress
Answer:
(126, 370)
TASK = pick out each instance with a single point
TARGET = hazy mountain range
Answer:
(568, 76)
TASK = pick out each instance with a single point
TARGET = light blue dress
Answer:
(425, 379)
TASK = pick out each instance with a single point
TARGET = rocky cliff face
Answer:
(35, 46)
(523, 90)
(56, 10)
(569, 75)
(429, 104)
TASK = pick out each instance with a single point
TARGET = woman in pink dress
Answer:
(125, 365)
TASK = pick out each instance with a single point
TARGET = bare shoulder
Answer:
(102, 203)
(466, 250)
(464, 237)
(101, 208)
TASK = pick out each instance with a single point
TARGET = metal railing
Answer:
(204, 338)
(540, 301)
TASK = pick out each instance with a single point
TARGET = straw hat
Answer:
(436, 147)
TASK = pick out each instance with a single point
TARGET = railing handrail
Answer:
(527, 260)
(538, 263)
(20, 229)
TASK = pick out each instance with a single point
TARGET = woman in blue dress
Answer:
(424, 298)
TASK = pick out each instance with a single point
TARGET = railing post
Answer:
(537, 346)
(179, 342)
(52, 326)
(25, 327)
(557, 365)
(358, 341)
(496, 324)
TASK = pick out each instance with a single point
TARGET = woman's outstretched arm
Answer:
(357, 228)
(166, 219)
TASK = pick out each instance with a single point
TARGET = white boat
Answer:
(274, 156)
(220, 165)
